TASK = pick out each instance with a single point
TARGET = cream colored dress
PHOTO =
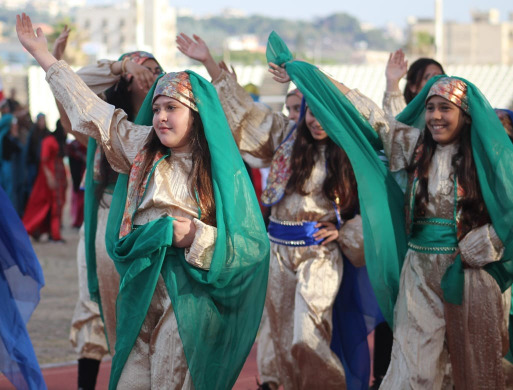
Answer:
(157, 360)
(475, 333)
(303, 281)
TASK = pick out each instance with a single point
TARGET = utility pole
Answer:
(439, 31)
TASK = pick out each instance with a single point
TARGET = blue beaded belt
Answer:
(293, 233)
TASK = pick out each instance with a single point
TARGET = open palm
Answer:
(30, 41)
(195, 48)
(397, 65)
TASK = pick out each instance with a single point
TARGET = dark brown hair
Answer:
(119, 96)
(414, 76)
(340, 183)
(471, 206)
(200, 178)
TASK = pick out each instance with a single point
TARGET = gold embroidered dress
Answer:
(475, 333)
(157, 359)
(303, 280)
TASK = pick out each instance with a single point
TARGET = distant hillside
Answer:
(331, 39)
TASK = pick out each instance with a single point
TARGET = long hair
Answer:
(200, 179)
(471, 206)
(119, 96)
(414, 76)
(340, 183)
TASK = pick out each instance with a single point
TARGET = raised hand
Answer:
(231, 71)
(143, 77)
(279, 74)
(35, 44)
(30, 41)
(396, 68)
(196, 49)
(60, 43)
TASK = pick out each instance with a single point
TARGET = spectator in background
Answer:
(44, 208)
(32, 152)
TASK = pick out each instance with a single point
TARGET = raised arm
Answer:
(59, 48)
(393, 99)
(197, 49)
(88, 114)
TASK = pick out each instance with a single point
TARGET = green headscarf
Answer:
(218, 311)
(381, 199)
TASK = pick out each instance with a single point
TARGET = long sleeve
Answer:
(257, 130)
(481, 246)
(202, 249)
(350, 240)
(393, 103)
(399, 140)
(121, 140)
(98, 77)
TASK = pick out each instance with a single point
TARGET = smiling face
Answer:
(444, 120)
(172, 122)
(293, 106)
(314, 126)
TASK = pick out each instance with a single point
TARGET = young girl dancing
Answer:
(314, 199)
(458, 266)
(185, 231)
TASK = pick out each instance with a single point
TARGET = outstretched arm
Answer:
(198, 50)
(59, 48)
(396, 68)
(35, 44)
(393, 99)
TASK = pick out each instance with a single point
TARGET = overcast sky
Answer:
(377, 12)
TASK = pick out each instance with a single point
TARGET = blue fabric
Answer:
(21, 279)
(355, 314)
(5, 165)
(303, 232)
(355, 311)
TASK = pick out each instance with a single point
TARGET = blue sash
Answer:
(293, 233)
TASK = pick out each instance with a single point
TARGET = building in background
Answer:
(484, 41)
(109, 31)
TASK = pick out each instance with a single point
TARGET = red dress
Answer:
(44, 207)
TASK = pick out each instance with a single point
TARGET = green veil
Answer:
(218, 311)
(381, 199)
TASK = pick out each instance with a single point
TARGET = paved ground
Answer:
(50, 324)
(65, 377)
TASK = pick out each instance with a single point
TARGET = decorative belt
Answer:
(434, 235)
(291, 233)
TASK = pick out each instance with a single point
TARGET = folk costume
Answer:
(308, 348)
(183, 317)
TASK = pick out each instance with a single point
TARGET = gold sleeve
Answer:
(121, 139)
(257, 130)
(399, 140)
(393, 103)
(350, 239)
(98, 77)
(202, 248)
(481, 246)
